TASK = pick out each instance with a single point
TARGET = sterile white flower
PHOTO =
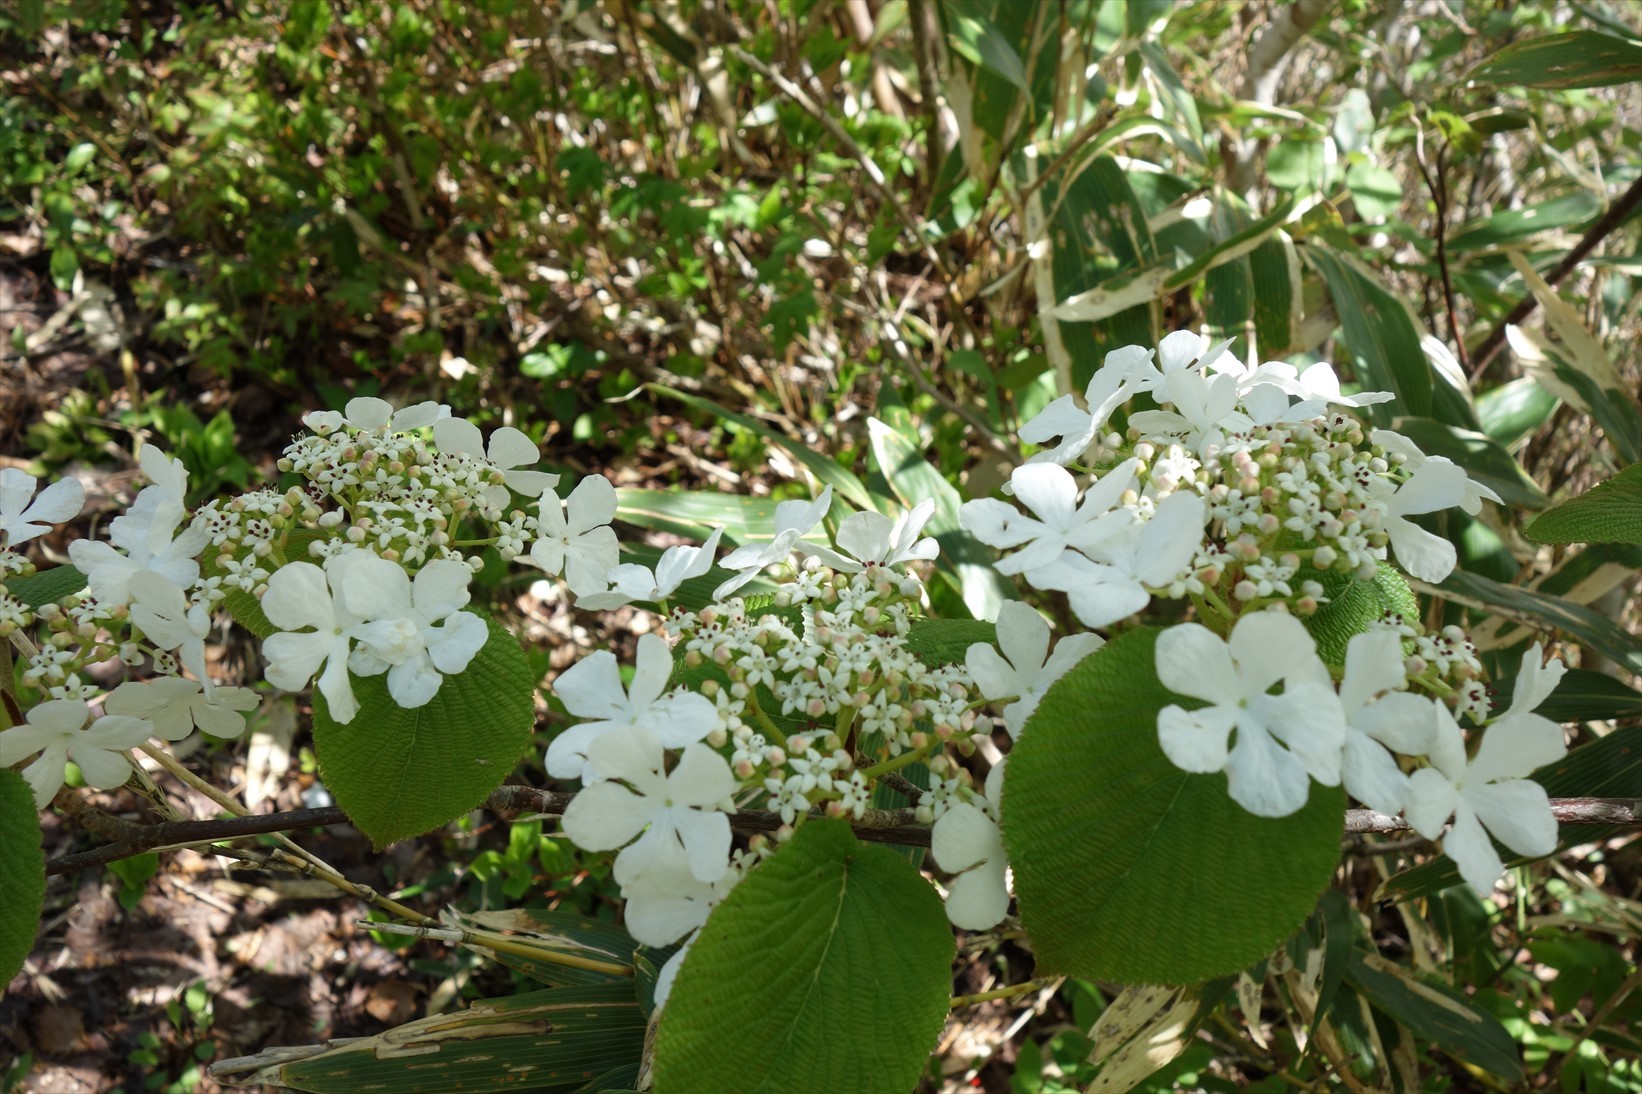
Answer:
(1205, 409)
(1181, 351)
(1062, 524)
(676, 811)
(416, 631)
(1117, 379)
(1379, 724)
(632, 582)
(160, 611)
(369, 413)
(869, 538)
(1437, 484)
(965, 841)
(24, 516)
(581, 544)
(57, 730)
(592, 688)
(793, 521)
(1114, 584)
(1396, 444)
(509, 448)
(665, 902)
(1025, 669)
(1491, 794)
(299, 595)
(1280, 739)
(174, 706)
(141, 539)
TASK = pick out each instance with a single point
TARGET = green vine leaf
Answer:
(1609, 512)
(770, 997)
(398, 773)
(1129, 869)
(22, 873)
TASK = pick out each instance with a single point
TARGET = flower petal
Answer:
(1265, 779)
(605, 816)
(1196, 740)
(1473, 852)
(1517, 813)
(1192, 660)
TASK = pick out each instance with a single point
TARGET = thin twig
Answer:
(1437, 182)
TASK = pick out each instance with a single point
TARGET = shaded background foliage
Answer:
(215, 217)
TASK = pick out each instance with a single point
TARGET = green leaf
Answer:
(772, 997)
(22, 872)
(1585, 696)
(696, 513)
(1128, 868)
(78, 157)
(1436, 1013)
(827, 470)
(398, 773)
(1514, 225)
(1609, 512)
(1579, 58)
(551, 946)
(964, 562)
(1378, 331)
(1482, 457)
(1274, 268)
(550, 1040)
(65, 263)
(46, 586)
(1541, 609)
(1514, 411)
(947, 641)
(1352, 605)
(982, 44)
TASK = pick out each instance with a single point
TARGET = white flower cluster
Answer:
(1270, 745)
(1239, 492)
(391, 504)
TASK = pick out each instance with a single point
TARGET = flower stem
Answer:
(1027, 988)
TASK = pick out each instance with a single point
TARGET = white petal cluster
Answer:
(1025, 669)
(57, 731)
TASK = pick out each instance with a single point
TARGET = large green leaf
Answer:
(1578, 58)
(1511, 225)
(695, 513)
(1609, 512)
(1514, 411)
(1436, 1013)
(1279, 301)
(1128, 868)
(1585, 696)
(398, 773)
(46, 586)
(1352, 605)
(1483, 458)
(22, 873)
(947, 641)
(544, 1041)
(827, 968)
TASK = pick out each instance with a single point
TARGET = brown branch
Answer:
(1621, 811)
(1619, 212)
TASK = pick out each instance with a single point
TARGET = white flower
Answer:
(582, 545)
(1318, 383)
(1180, 352)
(300, 596)
(141, 539)
(669, 972)
(417, 632)
(665, 902)
(1113, 383)
(174, 706)
(1062, 524)
(1025, 669)
(676, 811)
(1205, 407)
(1491, 794)
(509, 449)
(1436, 484)
(1236, 677)
(1114, 584)
(1378, 725)
(21, 521)
(591, 688)
(370, 414)
(168, 474)
(1395, 444)
(872, 539)
(55, 730)
(793, 521)
(160, 611)
(632, 582)
(965, 842)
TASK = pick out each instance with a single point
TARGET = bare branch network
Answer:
(897, 826)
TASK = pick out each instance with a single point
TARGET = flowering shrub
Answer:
(1153, 780)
